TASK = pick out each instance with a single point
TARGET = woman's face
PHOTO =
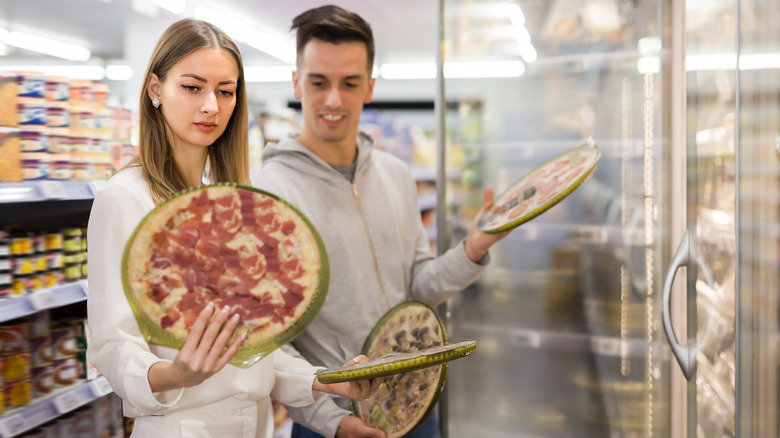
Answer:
(197, 97)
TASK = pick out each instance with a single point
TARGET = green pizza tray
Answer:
(411, 369)
(541, 189)
(247, 354)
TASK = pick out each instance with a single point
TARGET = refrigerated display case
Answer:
(644, 304)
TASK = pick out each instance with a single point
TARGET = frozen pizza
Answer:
(541, 189)
(229, 245)
(404, 400)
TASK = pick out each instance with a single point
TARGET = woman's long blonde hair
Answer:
(228, 157)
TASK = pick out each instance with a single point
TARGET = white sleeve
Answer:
(116, 347)
(294, 380)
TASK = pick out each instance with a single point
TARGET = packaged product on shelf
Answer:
(39, 323)
(63, 340)
(81, 91)
(60, 168)
(82, 119)
(66, 372)
(57, 115)
(100, 94)
(14, 337)
(10, 152)
(33, 139)
(71, 240)
(32, 112)
(31, 84)
(6, 284)
(17, 392)
(42, 351)
(57, 88)
(42, 380)
(35, 166)
(9, 93)
(16, 365)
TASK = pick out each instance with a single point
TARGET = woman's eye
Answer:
(227, 93)
(190, 87)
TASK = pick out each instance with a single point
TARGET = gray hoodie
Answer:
(372, 231)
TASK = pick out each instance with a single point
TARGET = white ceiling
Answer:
(113, 30)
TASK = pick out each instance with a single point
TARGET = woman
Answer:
(193, 114)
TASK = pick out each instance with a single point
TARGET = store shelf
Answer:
(19, 420)
(427, 201)
(62, 295)
(47, 190)
(568, 341)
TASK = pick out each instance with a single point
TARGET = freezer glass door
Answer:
(568, 312)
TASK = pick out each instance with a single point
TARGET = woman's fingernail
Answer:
(210, 306)
(225, 309)
(235, 317)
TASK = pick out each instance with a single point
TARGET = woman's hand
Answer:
(201, 356)
(356, 390)
(478, 243)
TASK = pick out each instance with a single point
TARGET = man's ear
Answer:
(296, 80)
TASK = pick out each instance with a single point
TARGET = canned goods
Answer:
(54, 277)
(17, 392)
(63, 341)
(66, 372)
(22, 243)
(60, 169)
(16, 366)
(41, 349)
(53, 241)
(23, 265)
(20, 285)
(6, 284)
(15, 337)
(39, 324)
(81, 91)
(42, 380)
(72, 240)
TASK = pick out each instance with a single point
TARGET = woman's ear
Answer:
(153, 87)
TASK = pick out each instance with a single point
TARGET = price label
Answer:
(100, 387)
(52, 189)
(43, 299)
(67, 402)
(95, 186)
(13, 425)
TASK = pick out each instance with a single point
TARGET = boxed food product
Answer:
(9, 92)
(10, 152)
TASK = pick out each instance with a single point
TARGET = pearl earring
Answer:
(156, 102)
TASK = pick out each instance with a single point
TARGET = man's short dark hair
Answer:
(334, 25)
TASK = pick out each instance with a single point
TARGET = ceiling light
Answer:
(174, 6)
(272, 73)
(485, 69)
(47, 46)
(118, 72)
(277, 46)
(408, 70)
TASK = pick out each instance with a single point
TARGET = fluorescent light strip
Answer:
(717, 61)
(273, 45)
(487, 69)
(118, 72)
(408, 70)
(47, 46)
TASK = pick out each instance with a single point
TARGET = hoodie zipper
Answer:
(370, 244)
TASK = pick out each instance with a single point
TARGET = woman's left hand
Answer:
(356, 390)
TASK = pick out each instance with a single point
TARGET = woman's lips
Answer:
(206, 126)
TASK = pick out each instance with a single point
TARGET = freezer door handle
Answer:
(686, 253)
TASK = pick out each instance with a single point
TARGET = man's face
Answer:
(333, 82)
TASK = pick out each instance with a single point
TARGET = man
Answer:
(363, 202)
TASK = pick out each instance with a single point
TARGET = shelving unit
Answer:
(15, 422)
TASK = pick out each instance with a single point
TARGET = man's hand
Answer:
(356, 390)
(353, 427)
(478, 243)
